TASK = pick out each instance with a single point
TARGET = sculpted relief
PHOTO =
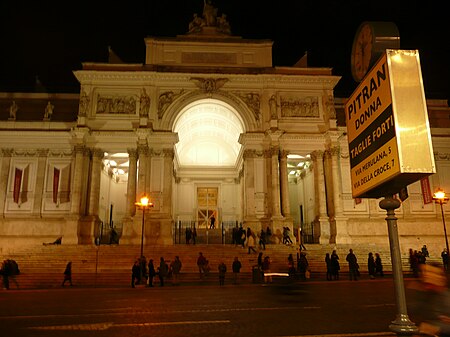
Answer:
(297, 106)
(116, 104)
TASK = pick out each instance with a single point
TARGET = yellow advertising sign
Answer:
(376, 116)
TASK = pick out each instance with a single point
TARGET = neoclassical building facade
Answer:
(206, 126)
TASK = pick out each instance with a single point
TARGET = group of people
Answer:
(299, 270)
(144, 273)
(204, 268)
(419, 257)
(250, 239)
(374, 265)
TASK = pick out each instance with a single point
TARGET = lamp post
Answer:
(144, 202)
(440, 198)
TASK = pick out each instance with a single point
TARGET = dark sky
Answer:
(50, 39)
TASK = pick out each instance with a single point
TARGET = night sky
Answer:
(50, 39)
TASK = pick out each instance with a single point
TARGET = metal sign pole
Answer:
(401, 325)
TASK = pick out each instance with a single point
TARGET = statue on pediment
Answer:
(209, 23)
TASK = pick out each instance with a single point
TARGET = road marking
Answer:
(171, 323)
(89, 327)
(147, 312)
(362, 334)
(108, 325)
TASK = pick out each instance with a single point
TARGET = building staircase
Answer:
(110, 265)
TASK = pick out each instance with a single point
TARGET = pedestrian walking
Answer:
(251, 241)
(222, 271)
(352, 265)
(175, 267)
(67, 274)
(262, 239)
(201, 264)
(236, 267)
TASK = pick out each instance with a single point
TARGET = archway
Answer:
(208, 159)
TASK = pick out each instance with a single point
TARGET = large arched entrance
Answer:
(208, 160)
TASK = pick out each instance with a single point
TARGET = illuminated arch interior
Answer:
(208, 132)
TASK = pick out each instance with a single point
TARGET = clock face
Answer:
(362, 51)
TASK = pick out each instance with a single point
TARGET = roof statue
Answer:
(209, 23)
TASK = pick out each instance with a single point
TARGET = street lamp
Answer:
(440, 198)
(144, 202)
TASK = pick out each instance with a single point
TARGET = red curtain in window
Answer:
(56, 173)
(17, 185)
(426, 190)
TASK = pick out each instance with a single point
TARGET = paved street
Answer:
(362, 308)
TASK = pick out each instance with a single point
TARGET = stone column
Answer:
(40, 177)
(341, 230)
(276, 212)
(166, 223)
(94, 192)
(77, 179)
(131, 185)
(4, 174)
(142, 172)
(284, 181)
(322, 224)
(249, 181)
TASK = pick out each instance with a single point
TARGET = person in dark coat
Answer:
(352, 265)
(302, 266)
(335, 265)
(67, 274)
(378, 265)
(151, 272)
(163, 271)
(222, 271)
(135, 273)
(236, 267)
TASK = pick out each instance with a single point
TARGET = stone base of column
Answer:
(157, 231)
(278, 224)
(131, 231)
(342, 236)
(324, 225)
(88, 230)
(70, 230)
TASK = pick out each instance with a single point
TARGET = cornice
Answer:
(278, 80)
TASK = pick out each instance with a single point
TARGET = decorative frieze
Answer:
(295, 106)
(116, 104)
(441, 156)
(165, 100)
(252, 100)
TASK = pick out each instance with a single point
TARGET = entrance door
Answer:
(206, 206)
